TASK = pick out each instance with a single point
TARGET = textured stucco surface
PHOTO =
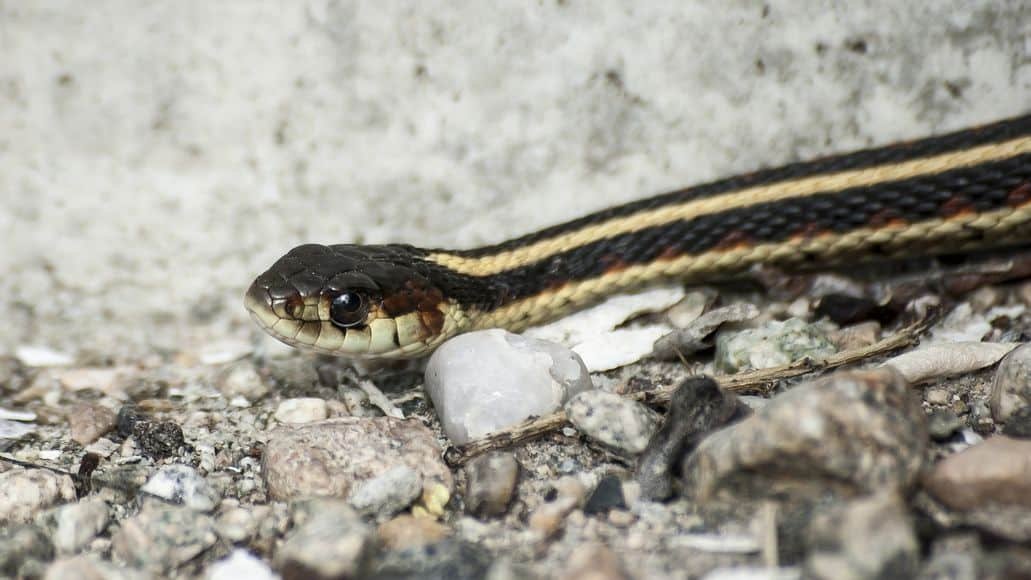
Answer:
(155, 156)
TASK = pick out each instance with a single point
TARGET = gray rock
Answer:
(484, 381)
(332, 542)
(451, 558)
(943, 424)
(491, 480)
(182, 485)
(24, 551)
(613, 421)
(92, 567)
(389, 492)
(1011, 387)
(853, 431)
(26, 492)
(330, 457)
(78, 523)
(774, 344)
(865, 539)
(163, 539)
(1018, 425)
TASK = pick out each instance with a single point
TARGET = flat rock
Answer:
(163, 539)
(994, 472)
(853, 431)
(25, 492)
(870, 538)
(613, 421)
(485, 381)
(330, 457)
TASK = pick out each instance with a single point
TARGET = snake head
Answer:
(353, 301)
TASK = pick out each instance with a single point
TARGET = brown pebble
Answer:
(996, 471)
(407, 531)
(492, 479)
(547, 520)
(89, 422)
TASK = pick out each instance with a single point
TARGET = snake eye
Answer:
(348, 309)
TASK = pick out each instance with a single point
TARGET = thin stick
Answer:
(760, 380)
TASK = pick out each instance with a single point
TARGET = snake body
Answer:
(950, 193)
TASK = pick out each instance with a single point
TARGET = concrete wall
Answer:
(154, 156)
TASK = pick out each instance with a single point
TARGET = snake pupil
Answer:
(347, 310)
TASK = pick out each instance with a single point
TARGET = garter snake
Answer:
(950, 193)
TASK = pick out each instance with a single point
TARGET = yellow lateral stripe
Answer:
(553, 304)
(493, 264)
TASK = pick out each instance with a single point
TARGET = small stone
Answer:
(332, 543)
(158, 440)
(389, 492)
(1018, 425)
(547, 519)
(613, 421)
(182, 485)
(1011, 387)
(863, 539)
(91, 567)
(485, 381)
(42, 356)
(23, 551)
(937, 396)
(981, 418)
(450, 558)
(853, 431)
(594, 562)
(242, 380)
(78, 523)
(856, 336)
(997, 471)
(302, 410)
(405, 531)
(943, 424)
(491, 481)
(163, 539)
(435, 498)
(606, 496)
(773, 344)
(330, 457)
(240, 564)
(237, 524)
(25, 492)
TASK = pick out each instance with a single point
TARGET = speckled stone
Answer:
(389, 492)
(332, 542)
(330, 457)
(855, 431)
(182, 485)
(25, 492)
(868, 538)
(78, 523)
(613, 421)
(773, 344)
(163, 539)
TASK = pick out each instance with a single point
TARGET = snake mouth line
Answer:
(963, 191)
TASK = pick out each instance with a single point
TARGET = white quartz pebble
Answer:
(484, 381)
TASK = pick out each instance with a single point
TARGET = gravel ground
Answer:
(155, 157)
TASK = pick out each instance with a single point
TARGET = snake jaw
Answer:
(402, 314)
